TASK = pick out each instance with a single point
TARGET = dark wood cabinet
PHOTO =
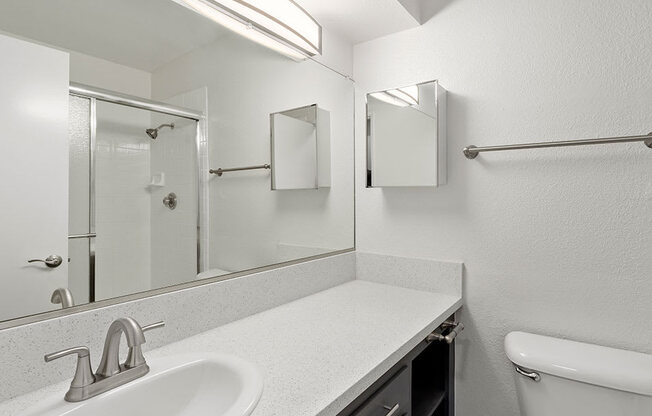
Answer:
(393, 397)
(421, 384)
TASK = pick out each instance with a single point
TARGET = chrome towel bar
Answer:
(471, 152)
(220, 171)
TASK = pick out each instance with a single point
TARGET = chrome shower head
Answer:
(153, 133)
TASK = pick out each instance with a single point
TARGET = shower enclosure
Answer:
(135, 194)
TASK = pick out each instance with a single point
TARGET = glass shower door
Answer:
(124, 237)
(80, 271)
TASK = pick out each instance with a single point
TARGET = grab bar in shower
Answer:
(471, 152)
(76, 236)
(220, 171)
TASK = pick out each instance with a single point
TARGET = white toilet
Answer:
(557, 377)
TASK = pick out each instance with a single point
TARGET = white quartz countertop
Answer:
(318, 353)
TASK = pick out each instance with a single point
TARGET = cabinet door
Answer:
(392, 399)
(34, 173)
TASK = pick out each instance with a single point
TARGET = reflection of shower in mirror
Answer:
(153, 133)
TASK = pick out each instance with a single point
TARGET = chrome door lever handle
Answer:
(51, 261)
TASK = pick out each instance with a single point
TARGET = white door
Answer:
(33, 175)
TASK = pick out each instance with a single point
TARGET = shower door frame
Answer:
(94, 94)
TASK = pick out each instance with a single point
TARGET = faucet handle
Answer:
(83, 373)
(135, 356)
(155, 325)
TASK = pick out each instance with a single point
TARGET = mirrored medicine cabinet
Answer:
(300, 140)
(406, 136)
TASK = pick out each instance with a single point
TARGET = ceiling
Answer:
(143, 34)
(362, 20)
(147, 34)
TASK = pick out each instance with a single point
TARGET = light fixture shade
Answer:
(279, 24)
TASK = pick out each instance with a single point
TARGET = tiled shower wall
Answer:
(175, 233)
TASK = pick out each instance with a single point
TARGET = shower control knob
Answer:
(170, 200)
(51, 261)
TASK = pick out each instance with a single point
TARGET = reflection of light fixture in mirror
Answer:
(281, 25)
(408, 94)
(389, 99)
(401, 97)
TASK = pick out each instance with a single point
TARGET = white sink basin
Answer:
(197, 385)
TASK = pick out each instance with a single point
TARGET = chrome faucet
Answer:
(110, 363)
(110, 373)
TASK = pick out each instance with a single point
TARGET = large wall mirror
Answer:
(136, 153)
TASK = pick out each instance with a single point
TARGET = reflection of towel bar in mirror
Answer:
(220, 171)
(76, 236)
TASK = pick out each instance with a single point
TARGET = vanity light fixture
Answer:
(401, 97)
(281, 25)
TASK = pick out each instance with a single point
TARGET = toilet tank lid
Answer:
(602, 366)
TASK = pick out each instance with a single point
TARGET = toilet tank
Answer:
(575, 378)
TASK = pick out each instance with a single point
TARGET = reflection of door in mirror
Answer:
(33, 116)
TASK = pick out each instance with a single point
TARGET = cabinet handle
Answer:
(392, 410)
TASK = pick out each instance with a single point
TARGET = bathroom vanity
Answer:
(335, 352)
(327, 353)
(420, 384)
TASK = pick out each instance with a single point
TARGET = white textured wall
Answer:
(554, 241)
